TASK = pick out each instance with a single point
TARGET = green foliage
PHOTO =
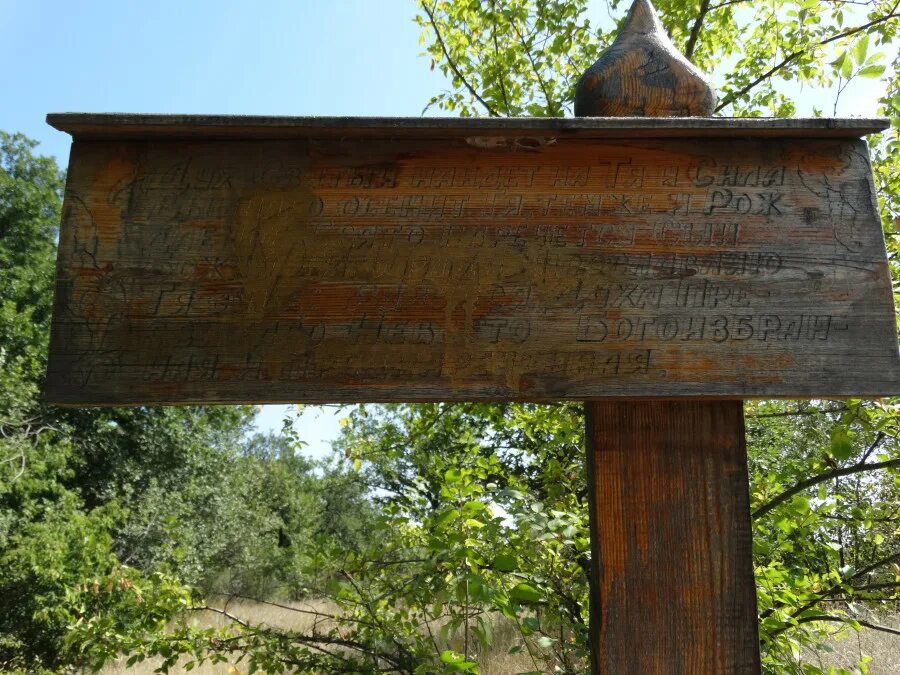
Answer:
(479, 525)
(30, 191)
(40, 520)
(824, 497)
(835, 542)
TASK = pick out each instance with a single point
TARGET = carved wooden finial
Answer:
(642, 74)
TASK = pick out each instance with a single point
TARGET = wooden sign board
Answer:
(297, 259)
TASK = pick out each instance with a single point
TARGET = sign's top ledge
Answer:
(102, 126)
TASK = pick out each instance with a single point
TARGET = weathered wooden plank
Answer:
(379, 269)
(671, 538)
(95, 126)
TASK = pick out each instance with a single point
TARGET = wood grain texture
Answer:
(642, 74)
(131, 126)
(451, 269)
(672, 541)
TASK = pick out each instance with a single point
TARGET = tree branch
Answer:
(845, 519)
(298, 610)
(551, 105)
(877, 587)
(401, 648)
(695, 30)
(726, 3)
(859, 3)
(500, 76)
(232, 644)
(821, 478)
(848, 619)
(793, 413)
(887, 560)
(452, 64)
(878, 439)
(226, 614)
(834, 590)
(793, 56)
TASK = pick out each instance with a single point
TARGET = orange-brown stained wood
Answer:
(672, 587)
(643, 74)
(672, 545)
(380, 269)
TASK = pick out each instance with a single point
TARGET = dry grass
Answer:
(299, 616)
(304, 616)
(847, 648)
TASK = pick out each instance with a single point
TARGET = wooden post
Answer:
(672, 588)
(672, 579)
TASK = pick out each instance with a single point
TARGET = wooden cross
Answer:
(659, 268)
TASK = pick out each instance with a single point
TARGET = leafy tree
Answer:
(30, 532)
(825, 489)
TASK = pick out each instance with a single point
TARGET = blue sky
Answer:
(284, 57)
(278, 57)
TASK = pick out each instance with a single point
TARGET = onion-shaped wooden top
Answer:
(642, 74)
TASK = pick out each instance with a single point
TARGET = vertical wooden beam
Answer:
(672, 587)
(673, 580)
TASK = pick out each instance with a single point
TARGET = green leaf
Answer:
(446, 517)
(860, 49)
(453, 476)
(841, 447)
(839, 61)
(448, 656)
(506, 562)
(473, 507)
(456, 663)
(800, 504)
(484, 631)
(526, 593)
(846, 69)
(785, 525)
(872, 71)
